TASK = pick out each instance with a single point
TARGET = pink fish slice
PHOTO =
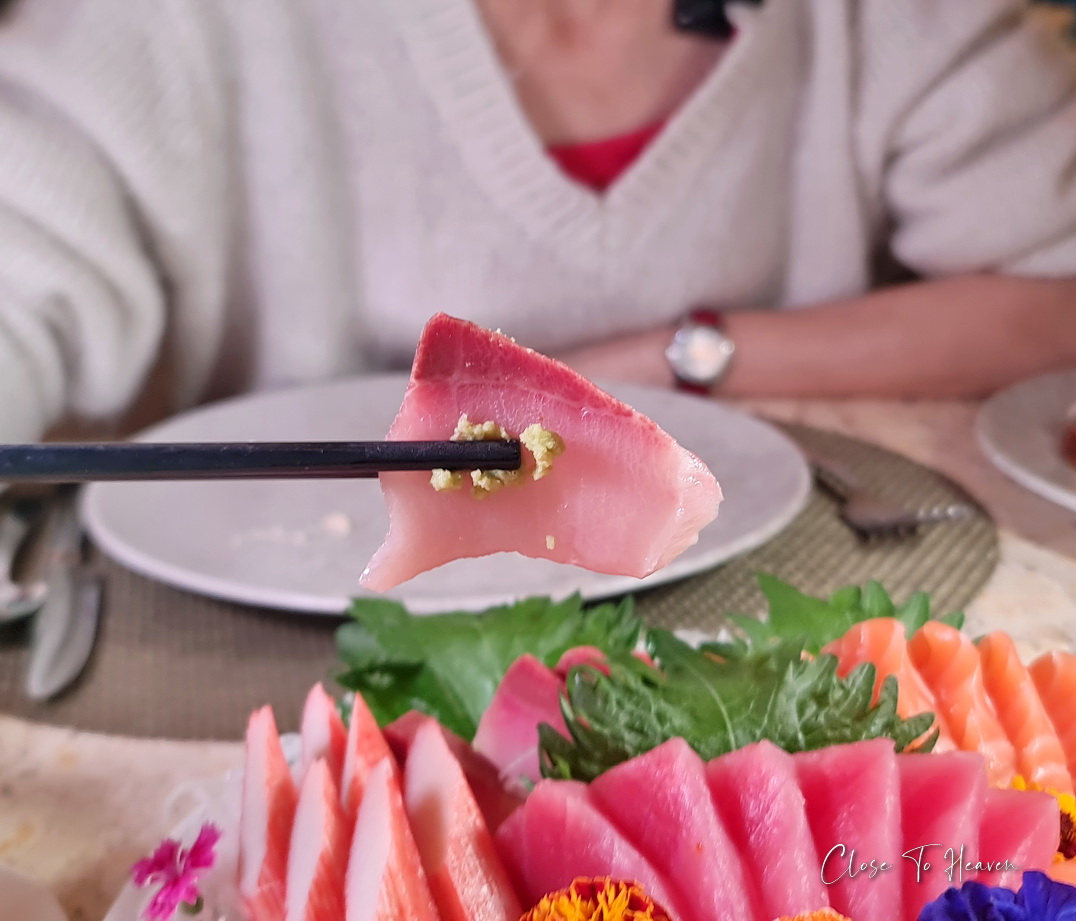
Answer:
(266, 816)
(623, 497)
(366, 748)
(317, 857)
(323, 733)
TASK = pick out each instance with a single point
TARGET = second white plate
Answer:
(301, 545)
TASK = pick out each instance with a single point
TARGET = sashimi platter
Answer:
(848, 757)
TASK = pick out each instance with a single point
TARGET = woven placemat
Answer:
(176, 665)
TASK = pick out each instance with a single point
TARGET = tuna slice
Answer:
(623, 498)
(529, 694)
(365, 748)
(266, 817)
(662, 805)
(385, 880)
(558, 834)
(318, 854)
(466, 877)
(323, 733)
(758, 798)
(942, 799)
(1020, 827)
(852, 793)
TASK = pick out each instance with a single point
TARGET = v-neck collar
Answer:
(457, 64)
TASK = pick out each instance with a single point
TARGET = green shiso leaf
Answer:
(449, 665)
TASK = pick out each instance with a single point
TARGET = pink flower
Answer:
(176, 872)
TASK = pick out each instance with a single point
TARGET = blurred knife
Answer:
(66, 626)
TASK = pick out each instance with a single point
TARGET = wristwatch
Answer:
(700, 353)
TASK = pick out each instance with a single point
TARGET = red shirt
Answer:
(597, 164)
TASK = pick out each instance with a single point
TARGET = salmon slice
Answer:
(1018, 826)
(267, 813)
(949, 663)
(1040, 758)
(852, 799)
(559, 835)
(323, 733)
(466, 877)
(385, 880)
(757, 795)
(317, 857)
(942, 799)
(623, 498)
(883, 642)
(660, 801)
(366, 748)
(1054, 675)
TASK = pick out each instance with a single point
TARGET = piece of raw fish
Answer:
(623, 497)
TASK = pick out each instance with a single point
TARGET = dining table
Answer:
(78, 808)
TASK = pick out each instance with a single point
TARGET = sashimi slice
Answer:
(317, 857)
(323, 733)
(942, 799)
(852, 796)
(529, 694)
(949, 663)
(662, 805)
(496, 801)
(266, 816)
(757, 795)
(385, 880)
(1054, 675)
(882, 641)
(558, 835)
(466, 876)
(623, 498)
(366, 748)
(1019, 826)
(1040, 758)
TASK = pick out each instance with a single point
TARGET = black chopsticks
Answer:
(75, 463)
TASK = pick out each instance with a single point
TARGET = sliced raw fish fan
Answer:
(661, 802)
(757, 795)
(466, 876)
(942, 800)
(852, 794)
(623, 498)
(1018, 826)
(317, 856)
(266, 817)
(559, 835)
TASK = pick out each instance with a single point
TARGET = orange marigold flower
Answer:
(823, 914)
(1066, 848)
(599, 899)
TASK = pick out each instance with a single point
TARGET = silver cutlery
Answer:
(65, 628)
(870, 515)
(18, 598)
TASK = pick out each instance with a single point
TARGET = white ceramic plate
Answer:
(1020, 430)
(302, 544)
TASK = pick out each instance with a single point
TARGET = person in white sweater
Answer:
(265, 192)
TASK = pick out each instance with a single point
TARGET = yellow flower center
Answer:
(598, 900)
(1066, 848)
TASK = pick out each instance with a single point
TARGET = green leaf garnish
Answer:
(449, 665)
(718, 705)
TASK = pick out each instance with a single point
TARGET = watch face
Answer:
(699, 354)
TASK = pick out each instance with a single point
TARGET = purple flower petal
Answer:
(976, 902)
(1045, 899)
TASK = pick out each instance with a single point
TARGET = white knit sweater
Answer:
(283, 190)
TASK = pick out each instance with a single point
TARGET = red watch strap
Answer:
(707, 316)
